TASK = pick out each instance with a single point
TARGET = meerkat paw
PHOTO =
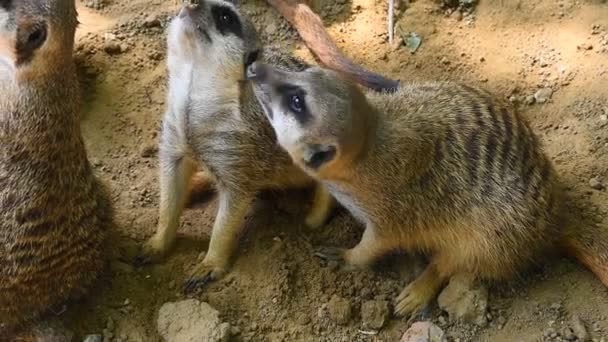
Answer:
(203, 274)
(414, 299)
(153, 251)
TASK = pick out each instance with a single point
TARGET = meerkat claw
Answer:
(413, 300)
(195, 283)
(202, 275)
(330, 253)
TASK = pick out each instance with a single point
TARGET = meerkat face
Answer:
(309, 111)
(212, 34)
(34, 32)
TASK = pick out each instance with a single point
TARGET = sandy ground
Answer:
(277, 290)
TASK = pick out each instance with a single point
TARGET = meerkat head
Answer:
(212, 34)
(36, 36)
(312, 112)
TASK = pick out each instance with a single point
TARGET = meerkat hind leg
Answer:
(224, 239)
(321, 208)
(175, 175)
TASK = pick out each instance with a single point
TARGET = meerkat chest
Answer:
(346, 199)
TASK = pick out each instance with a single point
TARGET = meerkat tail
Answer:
(311, 29)
(590, 246)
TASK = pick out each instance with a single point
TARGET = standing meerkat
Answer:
(214, 119)
(53, 212)
(439, 168)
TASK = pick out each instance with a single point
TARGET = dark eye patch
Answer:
(290, 93)
(30, 39)
(226, 21)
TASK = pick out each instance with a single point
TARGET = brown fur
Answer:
(53, 212)
(439, 168)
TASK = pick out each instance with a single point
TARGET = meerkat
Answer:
(54, 214)
(214, 120)
(440, 168)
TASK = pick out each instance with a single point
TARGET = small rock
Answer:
(112, 47)
(543, 95)
(464, 300)
(579, 329)
(374, 314)
(340, 309)
(93, 338)
(189, 320)
(149, 151)
(530, 100)
(151, 21)
(596, 183)
(423, 332)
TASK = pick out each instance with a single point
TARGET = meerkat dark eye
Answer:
(30, 40)
(296, 103)
(37, 37)
(227, 21)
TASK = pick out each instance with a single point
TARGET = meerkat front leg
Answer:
(362, 255)
(321, 208)
(420, 292)
(224, 238)
(176, 170)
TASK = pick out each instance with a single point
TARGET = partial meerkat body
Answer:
(53, 212)
(440, 168)
(214, 118)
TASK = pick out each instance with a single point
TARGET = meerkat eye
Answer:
(37, 37)
(29, 40)
(226, 17)
(226, 21)
(296, 103)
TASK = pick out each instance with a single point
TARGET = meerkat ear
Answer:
(317, 155)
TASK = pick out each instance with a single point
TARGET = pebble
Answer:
(579, 329)
(424, 332)
(465, 301)
(112, 47)
(151, 21)
(189, 320)
(374, 314)
(543, 95)
(149, 151)
(596, 184)
(93, 338)
(530, 100)
(340, 309)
